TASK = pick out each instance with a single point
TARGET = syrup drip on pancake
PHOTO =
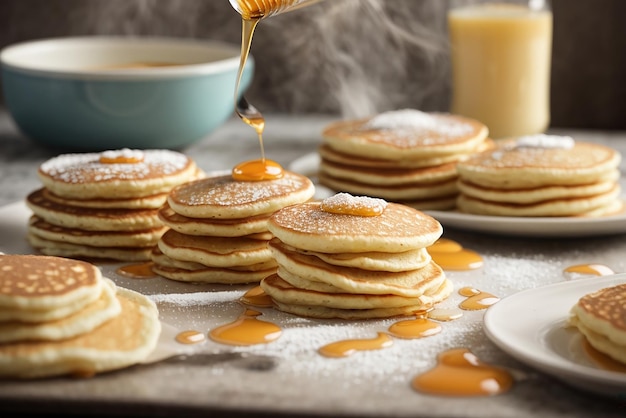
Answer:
(588, 270)
(602, 360)
(476, 299)
(451, 255)
(123, 156)
(419, 327)
(246, 330)
(346, 204)
(262, 169)
(137, 271)
(346, 348)
(256, 297)
(190, 337)
(460, 373)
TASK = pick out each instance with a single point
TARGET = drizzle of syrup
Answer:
(120, 159)
(137, 271)
(590, 269)
(451, 255)
(257, 297)
(246, 330)
(261, 169)
(346, 348)
(476, 299)
(419, 327)
(460, 373)
(602, 360)
(190, 337)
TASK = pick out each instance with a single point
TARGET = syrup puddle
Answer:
(190, 337)
(419, 327)
(451, 255)
(476, 299)
(460, 373)
(587, 270)
(137, 271)
(246, 330)
(602, 360)
(346, 348)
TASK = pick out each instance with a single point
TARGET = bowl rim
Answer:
(8, 59)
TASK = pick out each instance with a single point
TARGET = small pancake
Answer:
(213, 274)
(211, 226)
(214, 251)
(143, 202)
(554, 160)
(380, 261)
(125, 340)
(574, 206)
(280, 290)
(399, 228)
(225, 198)
(539, 193)
(116, 173)
(428, 192)
(91, 219)
(422, 176)
(32, 282)
(65, 249)
(85, 320)
(140, 238)
(163, 260)
(324, 312)
(601, 317)
(406, 134)
(412, 283)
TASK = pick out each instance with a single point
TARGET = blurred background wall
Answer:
(354, 57)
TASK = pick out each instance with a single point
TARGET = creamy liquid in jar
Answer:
(501, 57)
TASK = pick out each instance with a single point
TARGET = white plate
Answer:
(531, 326)
(502, 225)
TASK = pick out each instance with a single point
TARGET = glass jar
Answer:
(501, 60)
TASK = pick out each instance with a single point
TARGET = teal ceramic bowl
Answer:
(97, 93)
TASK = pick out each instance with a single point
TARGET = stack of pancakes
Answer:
(104, 205)
(60, 316)
(404, 156)
(218, 228)
(342, 264)
(541, 175)
(601, 317)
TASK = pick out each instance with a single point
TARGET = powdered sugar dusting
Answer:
(126, 153)
(353, 205)
(86, 167)
(545, 141)
(408, 122)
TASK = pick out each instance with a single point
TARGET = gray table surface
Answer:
(300, 383)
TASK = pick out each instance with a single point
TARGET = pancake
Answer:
(281, 291)
(417, 193)
(223, 197)
(213, 274)
(540, 160)
(214, 251)
(398, 229)
(406, 134)
(84, 320)
(412, 283)
(128, 238)
(81, 251)
(40, 283)
(211, 226)
(125, 340)
(541, 175)
(601, 317)
(91, 219)
(324, 312)
(116, 173)
(143, 202)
